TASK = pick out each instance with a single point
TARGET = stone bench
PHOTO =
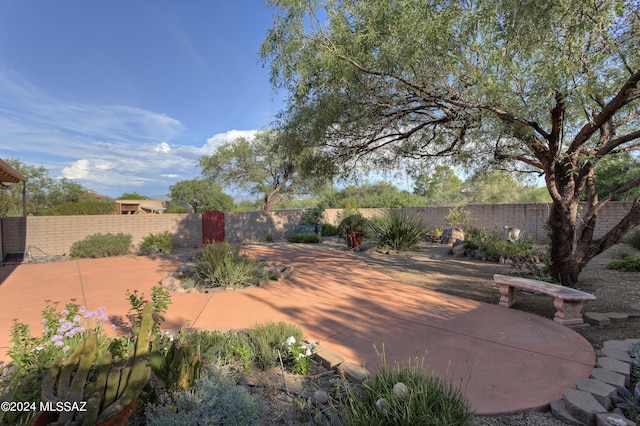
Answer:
(568, 301)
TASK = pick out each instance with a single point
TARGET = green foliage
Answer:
(312, 216)
(215, 399)
(372, 195)
(329, 230)
(614, 171)
(633, 239)
(81, 208)
(201, 195)
(405, 395)
(353, 223)
(43, 191)
(157, 243)
(458, 217)
(398, 231)
(629, 402)
(102, 245)
(628, 264)
(304, 238)
(498, 186)
(269, 166)
(132, 196)
(620, 251)
(493, 244)
(442, 187)
(218, 265)
(160, 299)
(176, 368)
(266, 339)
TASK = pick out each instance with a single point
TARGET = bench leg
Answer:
(568, 313)
(507, 296)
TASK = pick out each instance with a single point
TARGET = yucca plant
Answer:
(398, 231)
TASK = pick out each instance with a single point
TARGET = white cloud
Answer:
(78, 170)
(162, 147)
(110, 149)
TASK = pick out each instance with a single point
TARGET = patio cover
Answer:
(10, 175)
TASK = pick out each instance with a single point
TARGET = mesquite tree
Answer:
(534, 85)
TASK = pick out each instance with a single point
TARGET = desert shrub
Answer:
(621, 251)
(215, 399)
(398, 231)
(458, 217)
(312, 216)
(81, 208)
(633, 239)
(628, 264)
(405, 395)
(304, 238)
(157, 243)
(329, 230)
(219, 265)
(265, 340)
(102, 245)
(353, 223)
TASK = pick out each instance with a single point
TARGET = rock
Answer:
(560, 412)
(615, 353)
(458, 250)
(400, 390)
(597, 318)
(616, 366)
(600, 390)
(614, 379)
(328, 359)
(320, 397)
(451, 235)
(582, 405)
(168, 281)
(612, 419)
(616, 316)
(354, 372)
(179, 289)
(511, 234)
(192, 290)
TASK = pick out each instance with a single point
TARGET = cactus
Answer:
(117, 385)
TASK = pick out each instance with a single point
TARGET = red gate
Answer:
(212, 226)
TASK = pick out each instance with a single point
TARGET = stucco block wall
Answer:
(254, 226)
(55, 234)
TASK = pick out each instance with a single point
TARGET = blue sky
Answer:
(125, 96)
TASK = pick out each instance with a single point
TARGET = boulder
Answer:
(451, 235)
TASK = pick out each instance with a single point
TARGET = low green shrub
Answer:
(157, 243)
(219, 265)
(215, 399)
(398, 231)
(102, 245)
(329, 230)
(81, 208)
(177, 208)
(265, 340)
(353, 223)
(633, 239)
(405, 395)
(620, 251)
(304, 238)
(628, 264)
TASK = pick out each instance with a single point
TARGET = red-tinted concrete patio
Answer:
(507, 360)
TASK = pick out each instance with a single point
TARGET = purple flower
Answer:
(58, 343)
(57, 338)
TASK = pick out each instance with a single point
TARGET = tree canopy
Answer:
(272, 165)
(43, 191)
(200, 195)
(539, 86)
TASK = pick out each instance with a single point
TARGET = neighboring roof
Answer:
(9, 174)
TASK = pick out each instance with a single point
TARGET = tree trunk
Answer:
(561, 228)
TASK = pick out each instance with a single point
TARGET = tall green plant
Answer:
(398, 231)
(219, 265)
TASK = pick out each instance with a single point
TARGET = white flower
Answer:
(290, 340)
(312, 345)
(39, 348)
(300, 355)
